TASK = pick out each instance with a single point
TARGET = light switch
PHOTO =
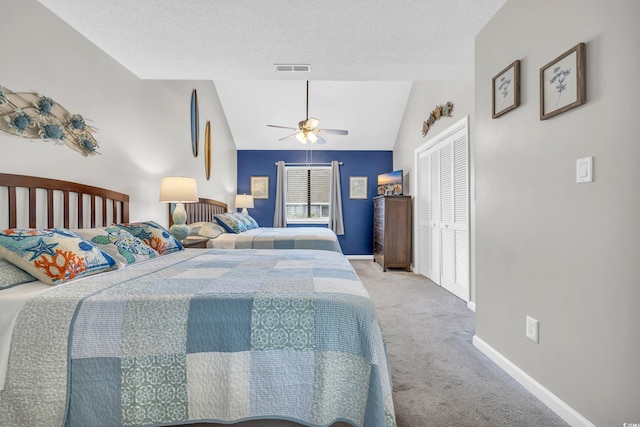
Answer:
(584, 170)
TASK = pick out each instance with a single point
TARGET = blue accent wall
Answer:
(357, 213)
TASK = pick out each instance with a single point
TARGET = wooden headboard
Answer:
(204, 210)
(62, 202)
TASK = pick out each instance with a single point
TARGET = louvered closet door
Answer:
(443, 193)
(446, 224)
(428, 245)
(434, 184)
(454, 225)
(461, 213)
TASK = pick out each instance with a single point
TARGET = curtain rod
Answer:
(308, 164)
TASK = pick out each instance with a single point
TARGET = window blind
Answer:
(307, 192)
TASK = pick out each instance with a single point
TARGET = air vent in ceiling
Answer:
(295, 68)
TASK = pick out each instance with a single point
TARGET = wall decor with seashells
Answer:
(35, 116)
(445, 110)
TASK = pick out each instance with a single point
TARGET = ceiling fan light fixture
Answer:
(312, 123)
(307, 128)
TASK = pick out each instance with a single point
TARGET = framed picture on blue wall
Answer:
(260, 187)
(358, 187)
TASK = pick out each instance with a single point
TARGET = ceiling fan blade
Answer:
(281, 127)
(288, 136)
(334, 131)
(320, 140)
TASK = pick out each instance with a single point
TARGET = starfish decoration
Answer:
(144, 235)
(41, 248)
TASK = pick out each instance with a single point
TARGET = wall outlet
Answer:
(532, 329)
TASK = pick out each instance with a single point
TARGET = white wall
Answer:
(564, 253)
(144, 126)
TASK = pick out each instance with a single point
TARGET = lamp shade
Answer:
(174, 189)
(244, 201)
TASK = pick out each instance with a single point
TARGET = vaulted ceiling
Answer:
(364, 56)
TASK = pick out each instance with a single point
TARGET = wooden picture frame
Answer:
(358, 187)
(260, 187)
(563, 83)
(506, 90)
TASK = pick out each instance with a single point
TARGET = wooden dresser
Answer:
(392, 231)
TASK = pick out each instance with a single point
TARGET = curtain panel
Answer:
(336, 222)
(280, 212)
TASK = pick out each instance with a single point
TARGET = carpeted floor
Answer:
(439, 377)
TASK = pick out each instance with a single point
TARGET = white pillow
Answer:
(206, 229)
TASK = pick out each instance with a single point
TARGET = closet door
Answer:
(461, 214)
(454, 186)
(446, 225)
(442, 252)
(428, 258)
(434, 207)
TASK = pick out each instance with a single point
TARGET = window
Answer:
(308, 193)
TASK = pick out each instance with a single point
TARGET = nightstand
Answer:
(197, 242)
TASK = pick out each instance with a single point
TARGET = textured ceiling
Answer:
(379, 46)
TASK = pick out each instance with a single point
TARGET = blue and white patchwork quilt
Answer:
(283, 238)
(202, 336)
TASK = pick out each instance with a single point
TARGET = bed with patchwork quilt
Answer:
(318, 238)
(233, 230)
(202, 336)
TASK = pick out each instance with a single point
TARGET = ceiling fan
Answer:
(307, 129)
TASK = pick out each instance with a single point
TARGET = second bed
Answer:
(201, 217)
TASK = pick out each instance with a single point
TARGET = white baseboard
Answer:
(369, 257)
(471, 306)
(566, 412)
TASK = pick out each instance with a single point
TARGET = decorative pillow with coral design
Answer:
(231, 223)
(53, 255)
(154, 235)
(123, 246)
(11, 276)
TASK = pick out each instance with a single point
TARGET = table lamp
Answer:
(244, 201)
(179, 190)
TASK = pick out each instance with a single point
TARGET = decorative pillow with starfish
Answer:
(53, 255)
